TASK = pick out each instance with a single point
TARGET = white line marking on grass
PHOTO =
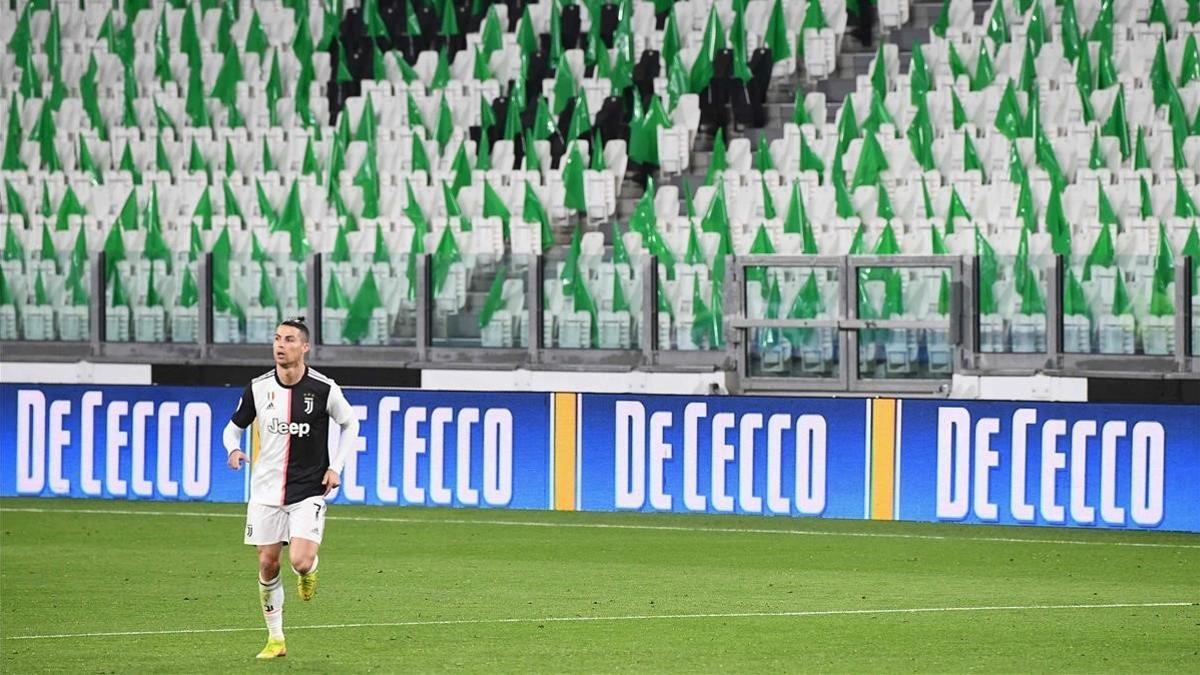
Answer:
(628, 617)
(619, 526)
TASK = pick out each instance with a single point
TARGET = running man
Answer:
(293, 471)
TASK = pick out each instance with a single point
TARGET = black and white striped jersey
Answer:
(293, 429)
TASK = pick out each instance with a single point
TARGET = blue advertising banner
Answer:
(1074, 464)
(749, 455)
(135, 442)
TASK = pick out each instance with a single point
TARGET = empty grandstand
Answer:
(746, 186)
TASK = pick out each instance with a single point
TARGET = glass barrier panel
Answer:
(912, 294)
(783, 292)
(691, 307)
(250, 297)
(483, 304)
(45, 297)
(1011, 298)
(1119, 304)
(591, 300)
(372, 300)
(151, 299)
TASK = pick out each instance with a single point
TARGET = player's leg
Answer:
(306, 524)
(270, 588)
(266, 528)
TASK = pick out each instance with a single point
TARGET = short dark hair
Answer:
(298, 324)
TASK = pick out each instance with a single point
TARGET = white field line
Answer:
(617, 526)
(628, 617)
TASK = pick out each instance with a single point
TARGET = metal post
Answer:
(1183, 312)
(204, 303)
(848, 339)
(97, 304)
(957, 314)
(649, 336)
(534, 303)
(972, 319)
(313, 271)
(424, 306)
(1054, 316)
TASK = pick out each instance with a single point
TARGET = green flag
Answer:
(494, 207)
(1008, 114)
(494, 301)
(1122, 304)
(412, 207)
(13, 250)
(335, 297)
(162, 50)
(12, 139)
(1106, 214)
(776, 36)
(114, 250)
(341, 246)
(446, 254)
(1103, 254)
(871, 162)
(70, 205)
(943, 21)
(1057, 225)
(1074, 297)
(580, 120)
(918, 75)
(1185, 207)
(358, 318)
(988, 270)
(1116, 125)
(712, 42)
(997, 25)
(573, 181)
(717, 162)
(534, 212)
(985, 72)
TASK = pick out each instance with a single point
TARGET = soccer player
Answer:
(293, 471)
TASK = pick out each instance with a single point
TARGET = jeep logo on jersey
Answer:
(308, 404)
(277, 426)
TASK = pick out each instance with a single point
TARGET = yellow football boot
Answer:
(274, 649)
(307, 585)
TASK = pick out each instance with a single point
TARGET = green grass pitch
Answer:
(421, 590)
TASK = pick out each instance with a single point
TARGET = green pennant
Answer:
(114, 250)
(988, 270)
(985, 72)
(919, 80)
(1103, 253)
(533, 212)
(358, 318)
(1116, 125)
(1057, 226)
(1185, 207)
(971, 161)
(1025, 210)
(871, 162)
(1008, 113)
(573, 181)
(957, 209)
(943, 21)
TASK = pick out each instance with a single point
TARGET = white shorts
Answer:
(274, 524)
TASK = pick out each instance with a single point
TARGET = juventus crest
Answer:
(308, 404)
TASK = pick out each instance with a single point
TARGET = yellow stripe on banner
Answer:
(883, 458)
(254, 441)
(565, 431)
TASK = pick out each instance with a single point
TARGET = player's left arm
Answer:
(339, 411)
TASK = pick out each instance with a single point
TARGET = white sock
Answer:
(270, 596)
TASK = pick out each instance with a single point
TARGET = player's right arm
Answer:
(242, 417)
